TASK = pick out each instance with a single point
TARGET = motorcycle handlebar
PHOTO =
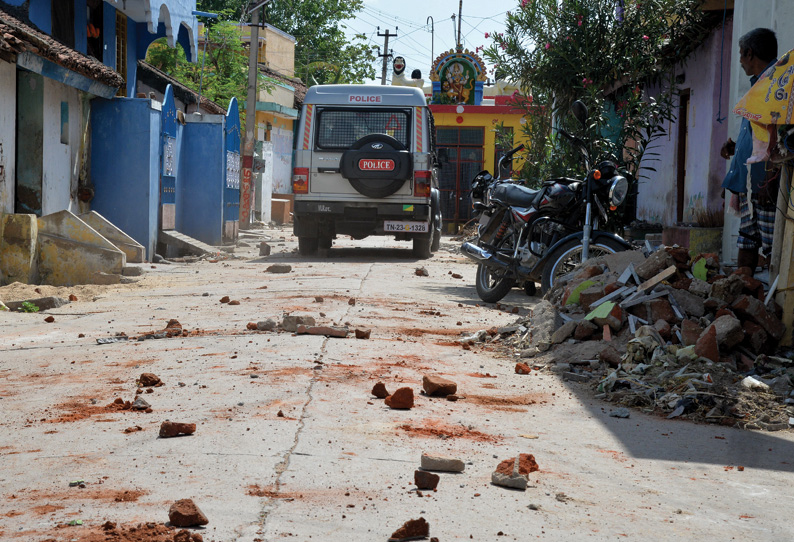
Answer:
(511, 152)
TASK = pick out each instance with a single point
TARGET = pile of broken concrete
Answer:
(678, 335)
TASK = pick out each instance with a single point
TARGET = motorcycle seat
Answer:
(515, 194)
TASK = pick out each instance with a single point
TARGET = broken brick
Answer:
(663, 328)
(727, 289)
(412, 529)
(690, 332)
(707, 346)
(363, 333)
(584, 330)
(185, 513)
(403, 398)
(379, 390)
(728, 331)
(748, 307)
(522, 369)
(755, 338)
(426, 480)
(172, 429)
(149, 380)
(610, 356)
(437, 386)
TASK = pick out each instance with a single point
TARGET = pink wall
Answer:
(705, 168)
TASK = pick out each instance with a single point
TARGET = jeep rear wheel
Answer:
(307, 246)
(423, 246)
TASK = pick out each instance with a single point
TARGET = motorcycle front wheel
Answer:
(565, 258)
(492, 284)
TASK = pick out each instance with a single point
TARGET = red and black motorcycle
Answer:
(526, 236)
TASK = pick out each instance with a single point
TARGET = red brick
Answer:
(437, 386)
(755, 338)
(403, 398)
(751, 308)
(690, 332)
(707, 346)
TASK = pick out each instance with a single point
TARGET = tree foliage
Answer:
(225, 66)
(618, 57)
(323, 53)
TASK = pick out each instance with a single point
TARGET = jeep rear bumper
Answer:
(327, 219)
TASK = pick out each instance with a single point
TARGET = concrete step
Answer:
(173, 238)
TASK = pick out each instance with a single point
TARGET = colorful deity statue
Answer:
(458, 77)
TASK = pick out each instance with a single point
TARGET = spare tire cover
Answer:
(376, 165)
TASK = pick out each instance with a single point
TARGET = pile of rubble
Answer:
(679, 336)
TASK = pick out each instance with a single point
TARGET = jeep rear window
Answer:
(340, 128)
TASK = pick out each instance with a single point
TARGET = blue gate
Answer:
(168, 162)
(231, 192)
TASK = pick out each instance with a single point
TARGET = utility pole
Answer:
(246, 184)
(386, 53)
(460, 18)
(432, 38)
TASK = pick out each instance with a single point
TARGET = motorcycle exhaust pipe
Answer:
(481, 255)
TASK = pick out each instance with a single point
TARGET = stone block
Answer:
(441, 463)
(563, 332)
(654, 264)
(700, 288)
(692, 304)
(727, 289)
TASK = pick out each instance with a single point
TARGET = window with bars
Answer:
(338, 129)
(121, 50)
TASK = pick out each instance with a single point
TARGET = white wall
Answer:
(61, 161)
(749, 14)
(8, 114)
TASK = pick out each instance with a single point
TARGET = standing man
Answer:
(757, 52)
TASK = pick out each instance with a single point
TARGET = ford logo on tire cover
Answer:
(377, 146)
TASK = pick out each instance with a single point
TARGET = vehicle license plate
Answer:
(411, 227)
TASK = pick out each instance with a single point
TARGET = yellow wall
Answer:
(486, 121)
(263, 117)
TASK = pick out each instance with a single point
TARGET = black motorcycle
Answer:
(525, 236)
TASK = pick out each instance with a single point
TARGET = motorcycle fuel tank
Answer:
(557, 196)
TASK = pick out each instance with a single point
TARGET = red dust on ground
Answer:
(109, 531)
(439, 429)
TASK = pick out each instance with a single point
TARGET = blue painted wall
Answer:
(132, 52)
(40, 13)
(125, 166)
(80, 26)
(109, 35)
(202, 177)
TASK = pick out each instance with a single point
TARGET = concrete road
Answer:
(291, 445)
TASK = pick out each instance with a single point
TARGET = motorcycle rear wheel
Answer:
(491, 283)
(569, 255)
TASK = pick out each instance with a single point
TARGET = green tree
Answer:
(323, 53)
(618, 60)
(225, 67)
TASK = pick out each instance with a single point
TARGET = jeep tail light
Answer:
(422, 184)
(300, 180)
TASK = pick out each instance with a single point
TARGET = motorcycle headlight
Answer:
(618, 190)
